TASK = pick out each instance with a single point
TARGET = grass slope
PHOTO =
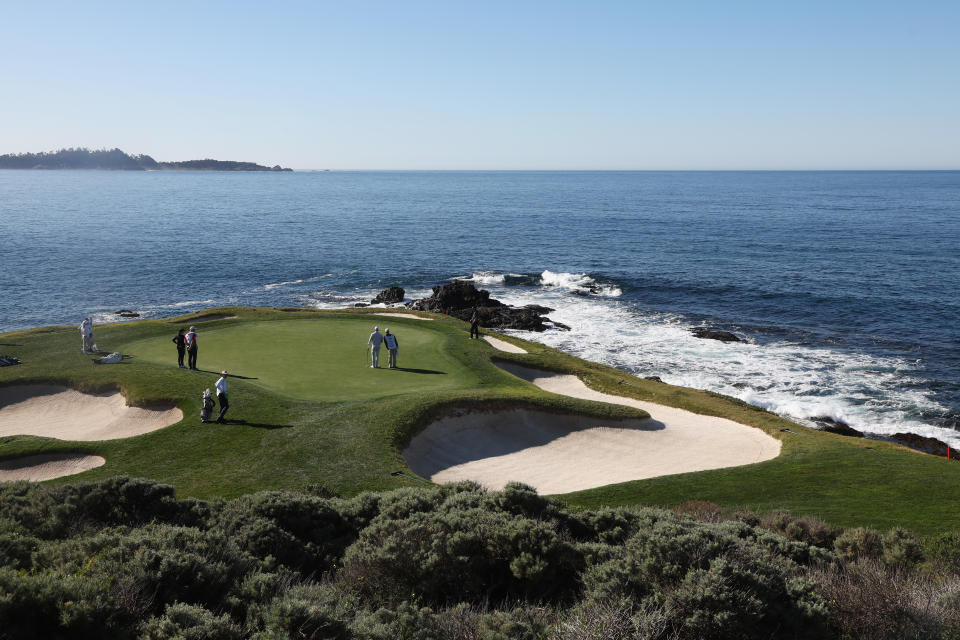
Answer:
(310, 411)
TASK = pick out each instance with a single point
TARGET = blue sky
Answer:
(491, 85)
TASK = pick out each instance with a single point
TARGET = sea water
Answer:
(843, 284)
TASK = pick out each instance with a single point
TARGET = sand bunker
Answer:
(557, 454)
(403, 315)
(59, 412)
(47, 466)
(503, 345)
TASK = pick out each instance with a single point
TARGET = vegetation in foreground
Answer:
(122, 558)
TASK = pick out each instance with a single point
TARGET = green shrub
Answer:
(858, 543)
(306, 612)
(944, 552)
(54, 605)
(745, 598)
(188, 622)
(301, 531)
(901, 548)
(516, 624)
(61, 511)
(407, 622)
(461, 555)
(16, 550)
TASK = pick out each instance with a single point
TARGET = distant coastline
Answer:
(117, 160)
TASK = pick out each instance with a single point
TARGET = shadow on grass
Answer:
(230, 375)
(258, 425)
(10, 344)
(421, 371)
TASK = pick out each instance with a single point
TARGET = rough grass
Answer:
(312, 412)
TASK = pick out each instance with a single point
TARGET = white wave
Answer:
(484, 278)
(578, 282)
(186, 303)
(275, 285)
(867, 392)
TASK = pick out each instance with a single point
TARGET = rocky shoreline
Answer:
(462, 299)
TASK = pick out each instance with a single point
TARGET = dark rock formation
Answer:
(8, 361)
(361, 304)
(389, 296)
(923, 443)
(127, 313)
(460, 299)
(714, 334)
(830, 425)
(654, 378)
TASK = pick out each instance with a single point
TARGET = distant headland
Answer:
(117, 160)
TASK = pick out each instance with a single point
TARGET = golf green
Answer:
(320, 358)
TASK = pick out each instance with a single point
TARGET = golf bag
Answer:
(207, 409)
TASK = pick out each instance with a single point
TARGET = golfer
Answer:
(222, 396)
(86, 333)
(181, 341)
(475, 325)
(191, 340)
(375, 340)
(392, 346)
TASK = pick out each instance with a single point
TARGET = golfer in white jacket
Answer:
(375, 340)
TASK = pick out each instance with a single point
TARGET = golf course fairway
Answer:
(306, 409)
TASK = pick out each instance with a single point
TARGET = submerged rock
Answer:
(391, 295)
(714, 334)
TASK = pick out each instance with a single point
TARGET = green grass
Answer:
(309, 410)
(321, 358)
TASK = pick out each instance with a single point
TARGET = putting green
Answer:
(317, 359)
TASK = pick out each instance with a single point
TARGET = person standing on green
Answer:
(392, 346)
(191, 339)
(181, 341)
(222, 396)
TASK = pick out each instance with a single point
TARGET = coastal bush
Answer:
(901, 548)
(857, 543)
(297, 530)
(189, 622)
(871, 600)
(305, 611)
(62, 511)
(450, 562)
(944, 551)
(461, 555)
(805, 529)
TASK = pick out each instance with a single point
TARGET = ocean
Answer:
(843, 284)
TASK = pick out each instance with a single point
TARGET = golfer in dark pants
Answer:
(181, 341)
(192, 348)
(222, 396)
(475, 325)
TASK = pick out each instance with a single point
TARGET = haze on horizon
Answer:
(497, 85)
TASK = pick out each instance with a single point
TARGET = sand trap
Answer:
(47, 466)
(59, 412)
(557, 454)
(503, 345)
(403, 315)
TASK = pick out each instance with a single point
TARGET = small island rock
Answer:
(391, 295)
(714, 334)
